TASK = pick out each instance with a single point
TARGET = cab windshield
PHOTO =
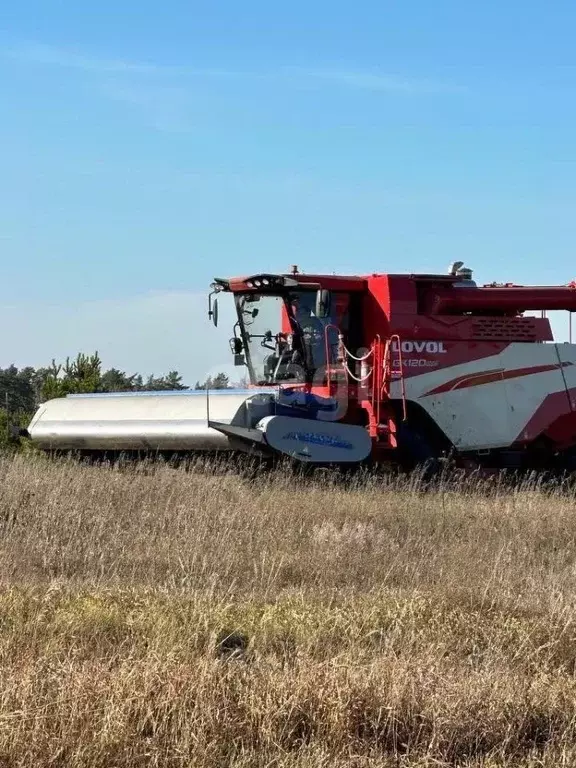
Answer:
(283, 340)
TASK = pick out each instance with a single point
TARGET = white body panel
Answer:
(485, 403)
(136, 421)
(567, 357)
(316, 442)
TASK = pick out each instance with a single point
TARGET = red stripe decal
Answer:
(488, 377)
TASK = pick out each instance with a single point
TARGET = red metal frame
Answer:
(468, 322)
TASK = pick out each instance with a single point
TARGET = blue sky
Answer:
(147, 147)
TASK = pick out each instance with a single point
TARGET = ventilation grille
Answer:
(507, 328)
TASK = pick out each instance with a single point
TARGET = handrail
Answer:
(347, 353)
(353, 357)
(381, 370)
(377, 348)
(396, 337)
(360, 379)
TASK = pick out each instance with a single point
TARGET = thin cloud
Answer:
(373, 81)
(53, 56)
(47, 55)
(37, 53)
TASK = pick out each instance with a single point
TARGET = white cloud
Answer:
(374, 80)
(148, 334)
(163, 93)
(39, 53)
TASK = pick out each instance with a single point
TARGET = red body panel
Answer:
(463, 354)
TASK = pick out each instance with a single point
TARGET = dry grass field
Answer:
(375, 625)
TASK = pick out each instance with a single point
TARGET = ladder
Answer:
(374, 383)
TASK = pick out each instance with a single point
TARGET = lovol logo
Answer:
(422, 347)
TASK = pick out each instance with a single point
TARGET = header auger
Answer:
(385, 368)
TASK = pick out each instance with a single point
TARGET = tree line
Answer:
(22, 390)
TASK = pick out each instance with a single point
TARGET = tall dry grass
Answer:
(377, 625)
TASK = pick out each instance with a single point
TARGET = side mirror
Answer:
(213, 312)
(323, 302)
(237, 351)
(236, 346)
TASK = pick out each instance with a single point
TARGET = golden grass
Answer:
(383, 626)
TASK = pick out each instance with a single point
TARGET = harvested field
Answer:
(367, 625)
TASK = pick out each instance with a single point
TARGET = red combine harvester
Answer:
(384, 368)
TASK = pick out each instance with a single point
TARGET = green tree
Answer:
(174, 381)
(170, 382)
(17, 390)
(81, 375)
(18, 399)
(38, 379)
(220, 381)
(115, 380)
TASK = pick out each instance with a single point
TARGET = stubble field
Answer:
(374, 624)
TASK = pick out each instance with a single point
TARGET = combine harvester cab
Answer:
(384, 368)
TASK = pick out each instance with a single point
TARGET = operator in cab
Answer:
(312, 331)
